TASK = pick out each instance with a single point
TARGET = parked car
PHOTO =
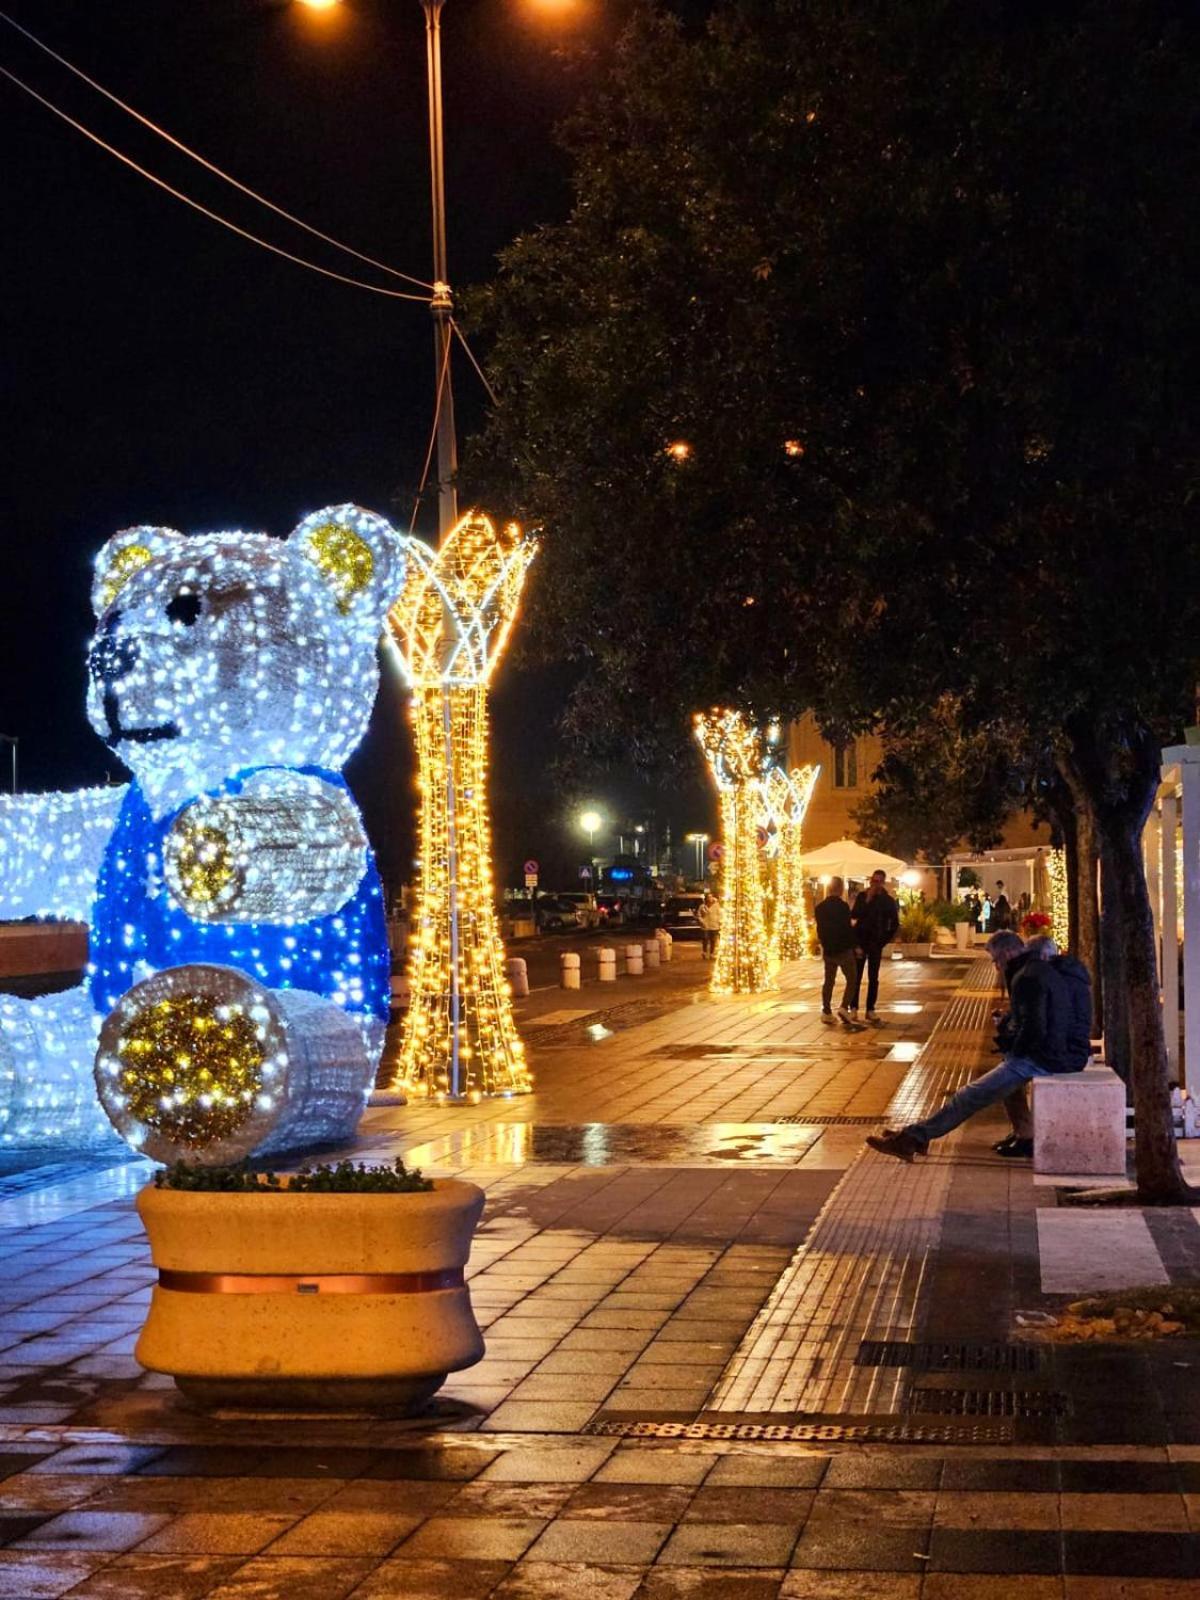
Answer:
(611, 910)
(552, 915)
(650, 908)
(585, 905)
(679, 916)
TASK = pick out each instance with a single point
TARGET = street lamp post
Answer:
(12, 741)
(590, 821)
(699, 840)
(442, 303)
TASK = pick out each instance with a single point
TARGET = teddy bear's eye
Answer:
(185, 608)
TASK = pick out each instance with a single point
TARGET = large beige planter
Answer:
(311, 1301)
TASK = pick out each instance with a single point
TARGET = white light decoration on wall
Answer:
(450, 627)
(733, 749)
(233, 674)
(786, 799)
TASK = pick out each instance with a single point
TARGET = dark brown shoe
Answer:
(901, 1145)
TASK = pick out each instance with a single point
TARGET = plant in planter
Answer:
(334, 1288)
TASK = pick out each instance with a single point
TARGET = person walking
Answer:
(1002, 915)
(708, 915)
(1049, 1032)
(876, 919)
(986, 924)
(835, 932)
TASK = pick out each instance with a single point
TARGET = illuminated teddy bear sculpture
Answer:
(239, 980)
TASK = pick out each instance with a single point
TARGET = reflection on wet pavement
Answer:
(601, 1144)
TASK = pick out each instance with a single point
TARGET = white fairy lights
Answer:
(450, 627)
(790, 931)
(233, 674)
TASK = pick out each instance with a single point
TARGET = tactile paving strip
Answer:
(859, 1275)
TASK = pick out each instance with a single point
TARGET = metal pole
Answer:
(441, 306)
(12, 741)
(442, 303)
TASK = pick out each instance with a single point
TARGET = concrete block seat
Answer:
(1079, 1123)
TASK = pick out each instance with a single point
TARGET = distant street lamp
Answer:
(590, 822)
(12, 741)
(699, 840)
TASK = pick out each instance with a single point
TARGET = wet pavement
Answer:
(730, 1355)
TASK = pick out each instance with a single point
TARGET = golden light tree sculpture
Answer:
(789, 795)
(450, 626)
(733, 750)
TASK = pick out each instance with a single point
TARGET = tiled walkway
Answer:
(684, 1250)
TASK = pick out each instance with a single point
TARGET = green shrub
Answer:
(917, 923)
(948, 912)
(346, 1178)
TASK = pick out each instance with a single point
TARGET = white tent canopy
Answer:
(845, 858)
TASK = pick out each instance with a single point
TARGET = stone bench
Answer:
(1079, 1123)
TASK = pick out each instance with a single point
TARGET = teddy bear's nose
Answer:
(110, 660)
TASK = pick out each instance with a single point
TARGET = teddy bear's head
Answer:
(221, 651)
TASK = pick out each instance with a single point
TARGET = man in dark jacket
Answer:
(1051, 1026)
(876, 920)
(836, 934)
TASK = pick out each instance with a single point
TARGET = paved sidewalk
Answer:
(730, 1353)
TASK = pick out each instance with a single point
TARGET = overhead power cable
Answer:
(213, 216)
(462, 339)
(210, 166)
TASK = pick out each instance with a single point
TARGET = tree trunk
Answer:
(1087, 903)
(1120, 770)
(1159, 1177)
(1079, 832)
(1113, 1002)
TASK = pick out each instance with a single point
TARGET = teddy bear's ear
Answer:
(124, 554)
(359, 556)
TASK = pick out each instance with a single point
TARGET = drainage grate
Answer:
(987, 1403)
(885, 1431)
(692, 1052)
(943, 1356)
(832, 1121)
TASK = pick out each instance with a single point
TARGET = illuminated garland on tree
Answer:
(733, 750)
(450, 627)
(790, 937)
(1060, 917)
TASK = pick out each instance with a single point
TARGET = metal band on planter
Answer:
(319, 1283)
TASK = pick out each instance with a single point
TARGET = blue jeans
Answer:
(1005, 1082)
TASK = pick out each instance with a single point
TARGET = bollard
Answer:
(665, 942)
(633, 960)
(569, 970)
(608, 964)
(518, 977)
(651, 950)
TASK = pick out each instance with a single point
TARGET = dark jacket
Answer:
(834, 929)
(1006, 1027)
(1052, 1014)
(877, 921)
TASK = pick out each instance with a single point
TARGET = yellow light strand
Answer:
(450, 626)
(732, 748)
(1060, 918)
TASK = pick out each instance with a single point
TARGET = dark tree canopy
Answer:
(944, 250)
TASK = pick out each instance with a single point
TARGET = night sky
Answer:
(164, 371)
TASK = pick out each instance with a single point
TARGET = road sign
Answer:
(531, 880)
(531, 867)
(586, 872)
(716, 851)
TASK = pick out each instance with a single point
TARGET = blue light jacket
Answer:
(343, 956)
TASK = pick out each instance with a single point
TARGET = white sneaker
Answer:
(875, 1018)
(845, 1014)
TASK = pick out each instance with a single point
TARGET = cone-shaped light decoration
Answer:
(733, 750)
(450, 627)
(790, 934)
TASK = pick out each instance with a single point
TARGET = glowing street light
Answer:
(590, 822)
(679, 451)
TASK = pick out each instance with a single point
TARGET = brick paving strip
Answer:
(645, 1207)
